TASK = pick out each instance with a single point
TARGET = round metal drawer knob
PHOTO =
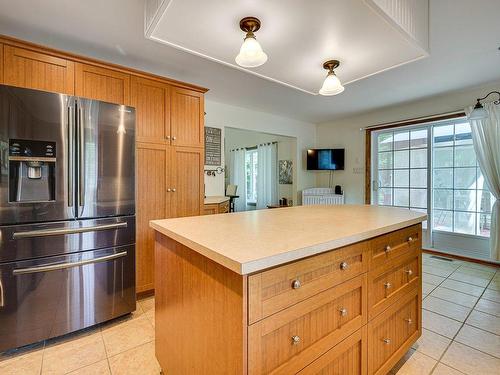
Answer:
(173, 190)
(410, 239)
(344, 266)
(296, 284)
(409, 272)
(174, 138)
(387, 341)
(387, 249)
(343, 311)
(388, 285)
(295, 340)
(409, 321)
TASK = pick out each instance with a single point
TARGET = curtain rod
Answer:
(437, 117)
(254, 147)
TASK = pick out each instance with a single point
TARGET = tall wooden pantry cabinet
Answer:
(169, 130)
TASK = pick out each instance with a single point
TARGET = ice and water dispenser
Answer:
(32, 171)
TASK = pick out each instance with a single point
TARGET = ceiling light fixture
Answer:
(251, 54)
(479, 112)
(331, 85)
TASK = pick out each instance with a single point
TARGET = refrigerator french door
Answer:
(67, 214)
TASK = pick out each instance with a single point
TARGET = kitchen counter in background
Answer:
(216, 205)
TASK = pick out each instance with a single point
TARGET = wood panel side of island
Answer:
(201, 316)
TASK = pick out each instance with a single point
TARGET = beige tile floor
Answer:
(461, 333)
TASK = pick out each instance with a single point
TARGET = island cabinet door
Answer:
(276, 289)
(347, 358)
(393, 332)
(286, 341)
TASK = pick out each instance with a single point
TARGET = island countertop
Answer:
(252, 241)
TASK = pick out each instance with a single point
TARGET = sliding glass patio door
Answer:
(432, 168)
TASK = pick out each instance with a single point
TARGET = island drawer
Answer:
(276, 289)
(298, 335)
(393, 332)
(395, 244)
(347, 358)
(388, 284)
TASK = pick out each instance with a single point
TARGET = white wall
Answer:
(287, 150)
(345, 133)
(221, 115)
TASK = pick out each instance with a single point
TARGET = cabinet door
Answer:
(187, 118)
(35, 70)
(187, 184)
(1, 63)
(152, 109)
(151, 203)
(102, 84)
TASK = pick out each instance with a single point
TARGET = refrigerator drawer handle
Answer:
(56, 232)
(53, 267)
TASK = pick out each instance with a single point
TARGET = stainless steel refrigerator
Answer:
(67, 214)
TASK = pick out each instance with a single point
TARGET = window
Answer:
(402, 169)
(251, 160)
(461, 203)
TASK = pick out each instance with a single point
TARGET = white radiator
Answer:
(321, 196)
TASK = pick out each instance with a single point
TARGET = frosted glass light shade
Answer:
(251, 54)
(478, 114)
(331, 85)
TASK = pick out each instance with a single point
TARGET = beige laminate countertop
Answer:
(251, 241)
(216, 199)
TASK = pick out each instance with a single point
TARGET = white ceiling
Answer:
(298, 36)
(464, 37)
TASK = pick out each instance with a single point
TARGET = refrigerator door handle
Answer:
(71, 153)
(61, 266)
(58, 232)
(81, 158)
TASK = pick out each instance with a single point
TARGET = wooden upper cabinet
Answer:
(186, 177)
(152, 109)
(187, 118)
(104, 84)
(36, 70)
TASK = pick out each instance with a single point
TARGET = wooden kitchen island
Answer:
(299, 290)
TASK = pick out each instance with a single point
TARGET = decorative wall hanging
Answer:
(213, 144)
(285, 172)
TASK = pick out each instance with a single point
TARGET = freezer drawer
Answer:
(52, 296)
(27, 241)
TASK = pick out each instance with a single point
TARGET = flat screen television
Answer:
(325, 159)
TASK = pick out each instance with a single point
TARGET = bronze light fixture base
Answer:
(250, 24)
(330, 65)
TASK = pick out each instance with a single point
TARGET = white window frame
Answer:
(472, 245)
(253, 153)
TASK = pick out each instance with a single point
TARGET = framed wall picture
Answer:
(213, 144)
(285, 172)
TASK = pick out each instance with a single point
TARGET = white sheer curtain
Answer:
(237, 176)
(486, 140)
(267, 182)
